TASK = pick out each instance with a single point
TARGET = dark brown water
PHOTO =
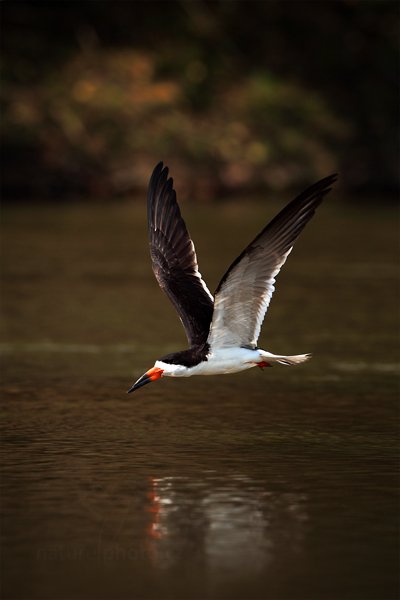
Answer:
(279, 484)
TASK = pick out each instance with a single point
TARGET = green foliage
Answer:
(105, 110)
(233, 94)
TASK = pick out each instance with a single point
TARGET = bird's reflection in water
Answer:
(231, 525)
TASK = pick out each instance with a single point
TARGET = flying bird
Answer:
(223, 330)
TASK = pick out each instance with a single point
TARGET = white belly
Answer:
(226, 360)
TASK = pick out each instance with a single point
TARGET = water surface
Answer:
(259, 485)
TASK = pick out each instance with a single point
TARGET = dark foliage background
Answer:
(234, 94)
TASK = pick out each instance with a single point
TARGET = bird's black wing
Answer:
(244, 293)
(174, 258)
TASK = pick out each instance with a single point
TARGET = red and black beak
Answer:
(150, 375)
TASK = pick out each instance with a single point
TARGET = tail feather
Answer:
(288, 361)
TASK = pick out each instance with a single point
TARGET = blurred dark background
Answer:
(236, 95)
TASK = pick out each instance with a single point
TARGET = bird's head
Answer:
(170, 365)
(151, 375)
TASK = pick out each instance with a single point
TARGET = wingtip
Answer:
(326, 181)
(329, 181)
(333, 178)
(158, 169)
(316, 192)
(158, 178)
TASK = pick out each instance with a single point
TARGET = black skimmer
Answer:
(222, 330)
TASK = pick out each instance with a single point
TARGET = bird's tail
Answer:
(288, 361)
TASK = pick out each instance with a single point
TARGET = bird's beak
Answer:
(150, 375)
